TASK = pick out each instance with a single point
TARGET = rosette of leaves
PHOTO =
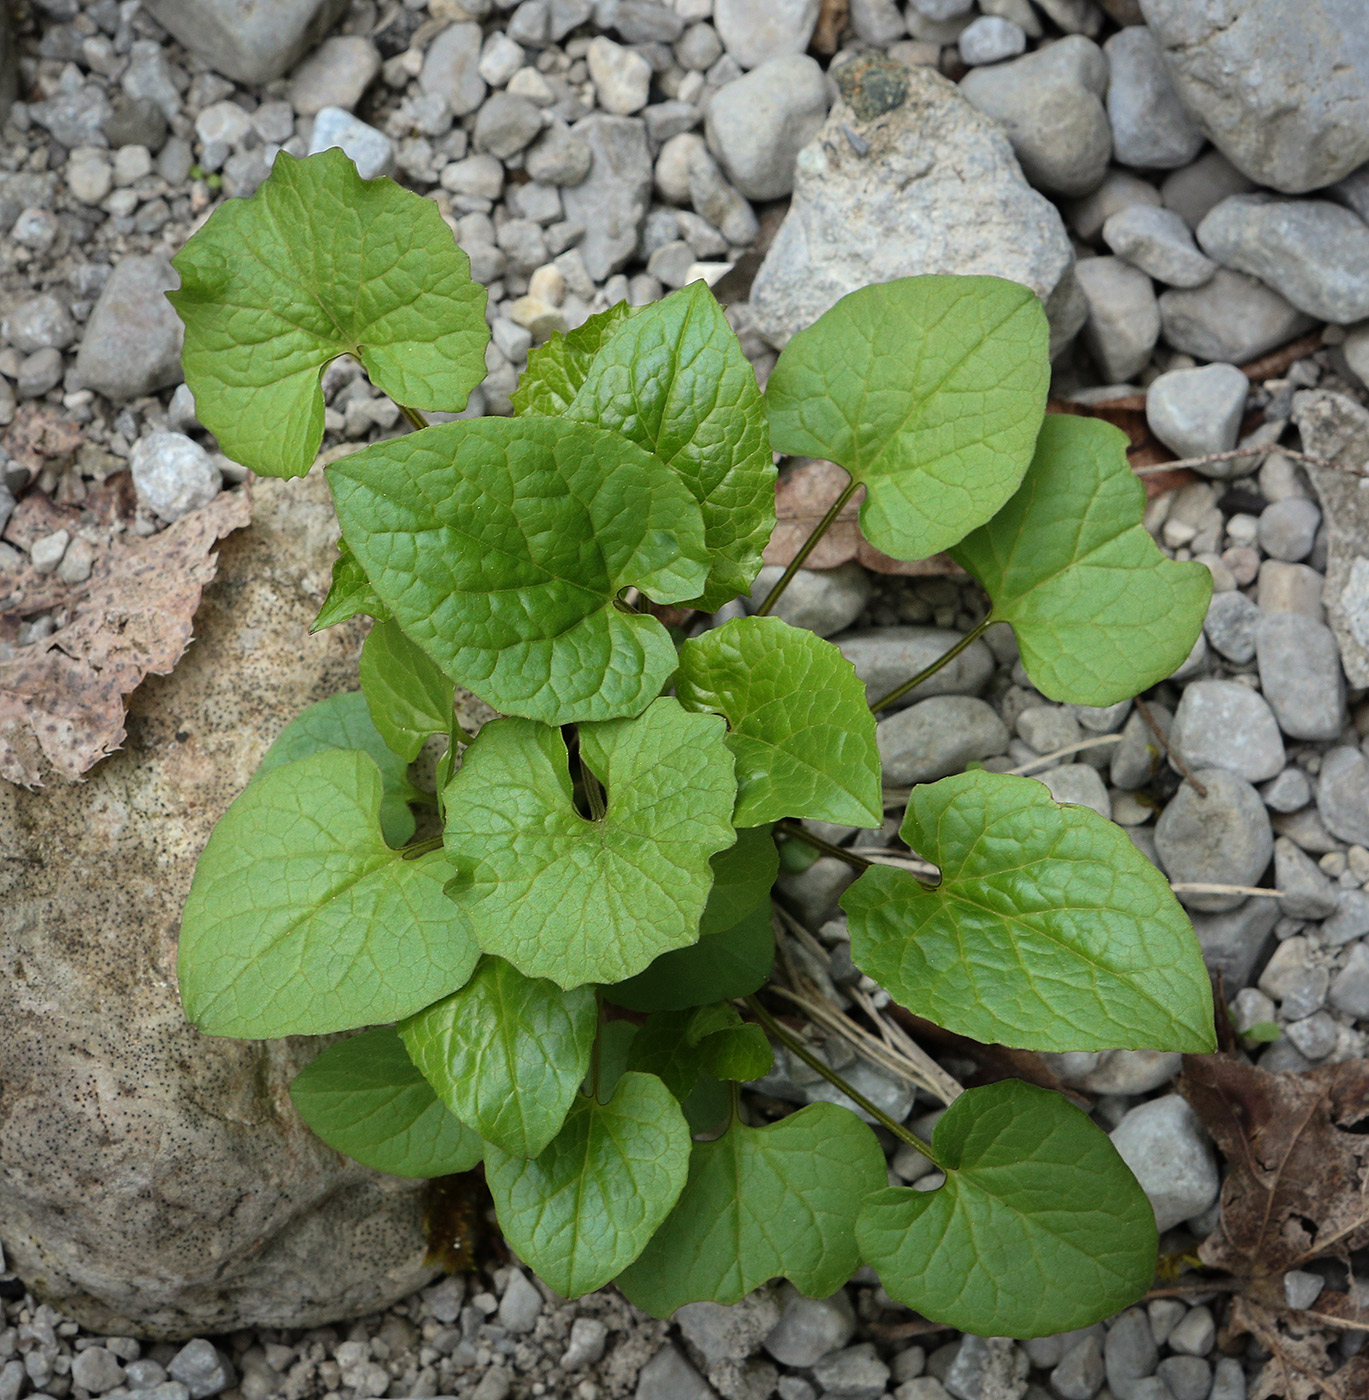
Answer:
(557, 960)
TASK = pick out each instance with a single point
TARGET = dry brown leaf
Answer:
(62, 698)
(40, 434)
(1300, 1365)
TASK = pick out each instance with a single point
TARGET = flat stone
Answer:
(1288, 528)
(810, 1328)
(1200, 187)
(220, 1209)
(1230, 626)
(557, 157)
(1124, 317)
(1195, 412)
(202, 1368)
(1221, 839)
(937, 737)
(1300, 675)
(1343, 794)
(716, 200)
(1312, 252)
(820, 600)
(929, 185)
(1288, 104)
(1171, 1156)
(505, 125)
(1221, 724)
(1150, 126)
(1231, 317)
(1080, 1373)
(1049, 103)
(856, 1373)
(334, 75)
(753, 31)
(612, 200)
(451, 68)
(1238, 941)
(1350, 991)
(251, 45)
(1350, 921)
(885, 657)
(132, 341)
(1159, 243)
(1307, 893)
(757, 125)
(1290, 588)
(1130, 1071)
(371, 151)
(729, 1332)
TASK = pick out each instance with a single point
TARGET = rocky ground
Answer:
(1180, 223)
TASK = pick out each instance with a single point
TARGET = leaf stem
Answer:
(973, 635)
(793, 828)
(796, 1047)
(796, 563)
(415, 419)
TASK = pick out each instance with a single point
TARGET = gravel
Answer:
(1165, 1146)
(1195, 412)
(822, 600)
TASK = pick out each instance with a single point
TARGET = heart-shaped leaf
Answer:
(798, 721)
(350, 594)
(1099, 612)
(408, 697)
(930, 391)
(1049, 929)
(320, 263)
(501, 545)
(673, 378)
(557, 369)
(742, 877)
(578, 900)
(679, 1046)
(364, 1097)
(301, 920)
(585, 1208)
(761, 1202)
(1039, 1227)
(344, 722)
(506, 1053)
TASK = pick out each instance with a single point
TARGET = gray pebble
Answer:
(1165, 1146)
(173, 475)
(1223, 838)
(132, 341)
(986, 1366)
(821, 600)
(1308, 894)
(1301, 1289)
(1350, 990)
(885, 657)
(1343, 794)
(1232, 318)
(1081, 1372)
(1150, 126)
(1119, 190)
(506, 124)
(757, 125)
(990, 39)
(724, 1332)
(1139, 755)
(38, 373)
(1315, 1036)
(611, 202)
(97, 1370)
(1197, 411)
(1289, 792)
(1221, 724)
(814, 892)
(1124, 318)
(1078, 783)
(753, 31)
(201, 1368)
(588, 1336)
(521, 1304)
(1195, 1334)
(1230, 626)
(46, 552)
(937, 737)
(335, 74)
(1229, 1381)
(1350, 921)
(1188, 1377)
(451, 68)
(1301, 676)
(1048, 728)
(668, 1376)
(39, 323)
(810, 1328)
(144, 1373)
(1288, 528)
(1158, 242)
(371, 151)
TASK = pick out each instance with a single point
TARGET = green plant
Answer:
(565, 983)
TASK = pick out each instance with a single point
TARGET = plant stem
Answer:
(594, 794)
(1144, 711)
(415, 419)
(796, 1047)
(792, 828)
(973, 635)
(796, 563)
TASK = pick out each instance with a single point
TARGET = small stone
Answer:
(500, 59)
(1350, 921)
(1048, 728)
(335, 74)
(1187, 1377)
(1124, 318)
(475, 177)
(38, 373)
(46, 552)
(856, 1373)
(587, 1338)
(36, 229)
(1294, 980)
(88, 174)
(1222, 839)
(75, 568)
(1343, 794)
(1289, 792)
(1119, 190)
(1288, 528)
(991, 39)
(1315, 1036)
(1160, 244)
(557, 157)
(506, 124)
(1138, 756)
(1300, 674)
(136, 121)
(202, 1369)
(1196, 1334)
(810, 1328)
(821, 600)
(131, 163)
(668, 1376)
(1081, 1373)
(1231, 317)
(885, 657)
(1150, 126)
(39, 323)
(1230, 626)
(145, 1374)
(732, 1332)
(1350, 991)
(1130, 1071)
(1220, 724)
(521, 1304)
(1307, 893)
(1229, 1380)
(1166, 1148)
(753, 31)
(1197, 411)
(1290, 588)
(612, 201)
(371, 151)
(1301, 1289)
(621, 76)
(1080, 784)
(922, 1388)
(986, 1366)
(757, 125)
(935, 738)
(451, 68)
(1200, 187)
(173, 475)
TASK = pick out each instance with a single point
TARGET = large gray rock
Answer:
(251, 41)
(757, 125)
(1283, 92)
(885, 657)
(1230, 317)
(1050, 105)
(1171, 1156)
(1221, 839)
(1312, 252)
(156, 1181)
(1150, 128)
(1221, 724)
(928, 184)
(1337, 429)
(937, 737)
(611, 201)
(132, 341)
(1197, 411)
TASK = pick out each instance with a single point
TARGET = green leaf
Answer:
(321, 263)
(364, 1097)
(344, 722)
(1100, 614)
(501, 546)
(1049, 929)
(799, 723)
(1039, 1227)
(506, 1053)
(615, 1044)
(930, 391)
(576, 900)
(557, 369)
(408, 697)
(350, 595)
(730, 963)
(584, 1209)
(301, 920)
(679, 1046)
(742, 877)
(673, 378)
(761, 1202)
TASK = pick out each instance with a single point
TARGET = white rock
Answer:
(753, 31)
(621, 76)
(371, 151)
(173, 474)
(990, 39)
